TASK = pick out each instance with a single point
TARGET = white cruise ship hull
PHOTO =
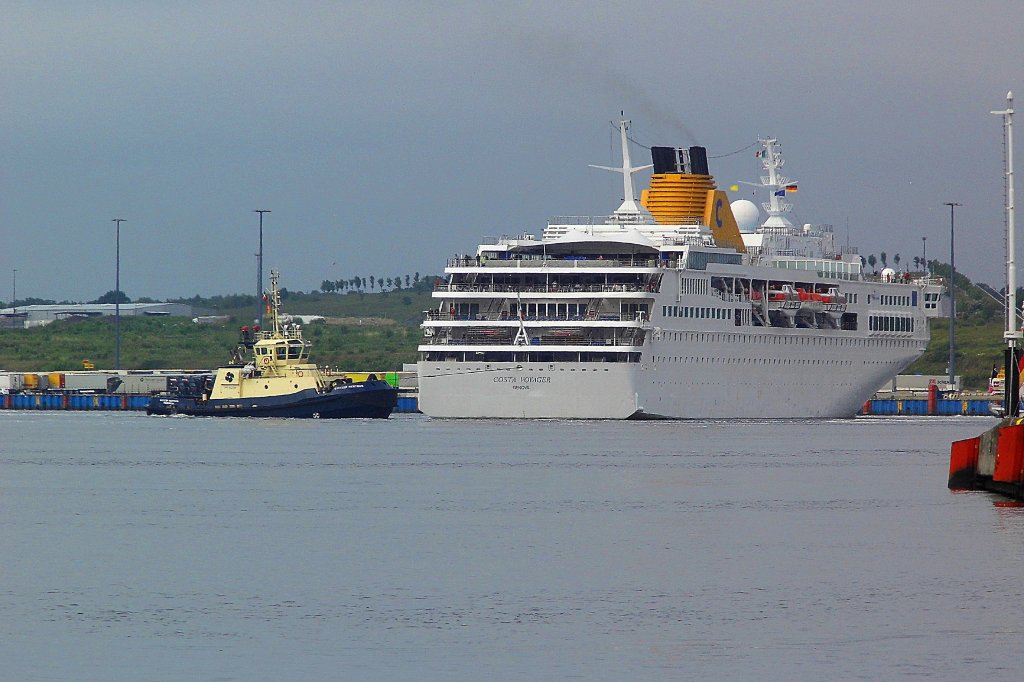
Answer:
(528, 390)
(716, 381)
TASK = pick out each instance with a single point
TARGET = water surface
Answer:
(179, 548)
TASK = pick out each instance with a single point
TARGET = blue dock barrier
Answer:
(943, 407)
(73, 401)
(118, 402)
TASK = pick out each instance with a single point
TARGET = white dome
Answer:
(888, 275)
(747, 215)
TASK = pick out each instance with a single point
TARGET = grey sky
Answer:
(387, 135)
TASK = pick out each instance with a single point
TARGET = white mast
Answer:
(275, 302)
(776, 185)
(1012, 333)
(629, 211)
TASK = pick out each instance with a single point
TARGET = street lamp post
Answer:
(259, 271)
(952, 297)
(924, 254)
(14, 292)
(117, 292)
(1012, 335)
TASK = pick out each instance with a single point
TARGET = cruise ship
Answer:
(668, 309)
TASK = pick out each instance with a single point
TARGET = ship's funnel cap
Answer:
(692, 161)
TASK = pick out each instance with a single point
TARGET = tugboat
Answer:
(270, 376)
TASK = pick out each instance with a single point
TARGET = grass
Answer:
(166, 343)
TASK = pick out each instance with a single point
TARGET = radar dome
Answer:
(748, 217)
(888, 275)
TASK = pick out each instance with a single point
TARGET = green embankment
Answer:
(377, 332)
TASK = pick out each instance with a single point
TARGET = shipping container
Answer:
(95, 382)
(142, 383)
(11, 382)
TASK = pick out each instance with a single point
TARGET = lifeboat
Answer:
(810, 301)
(834, 302)
(785, 300)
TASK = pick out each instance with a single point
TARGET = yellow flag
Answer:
(734, 188)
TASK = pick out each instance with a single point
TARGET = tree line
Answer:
(883, 258)
(374, 282)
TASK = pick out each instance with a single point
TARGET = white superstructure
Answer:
(665, 310)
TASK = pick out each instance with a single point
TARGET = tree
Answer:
(416, 278)
(398, 281)
(373, 282)
(113, 297)
(917, 262)
(896, 260)
(407, 281)
(883, 258)
(871, 261)
(327, 286)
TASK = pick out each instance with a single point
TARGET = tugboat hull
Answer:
(369, 399)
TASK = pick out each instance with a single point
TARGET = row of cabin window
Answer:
(886, 299)
(890, 323)
(784, 340)
(705, 360)
(699, 313)
(549, 309)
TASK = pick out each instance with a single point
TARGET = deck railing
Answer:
(440, 315)
(542, 288)
(559, 263)
(543, 340)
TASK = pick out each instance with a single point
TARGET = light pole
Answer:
(924, 254)
(259, 271)
(117, 292)
(952, 296)
(1012, 335)
(14, 292)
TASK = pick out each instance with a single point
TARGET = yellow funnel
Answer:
(675, 198)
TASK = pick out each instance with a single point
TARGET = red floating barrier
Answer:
(1010, 455)
(963, 464)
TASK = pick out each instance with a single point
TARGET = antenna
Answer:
(629, 210)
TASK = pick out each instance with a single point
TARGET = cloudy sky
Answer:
(385, 136)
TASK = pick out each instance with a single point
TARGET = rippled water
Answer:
(176, 548)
